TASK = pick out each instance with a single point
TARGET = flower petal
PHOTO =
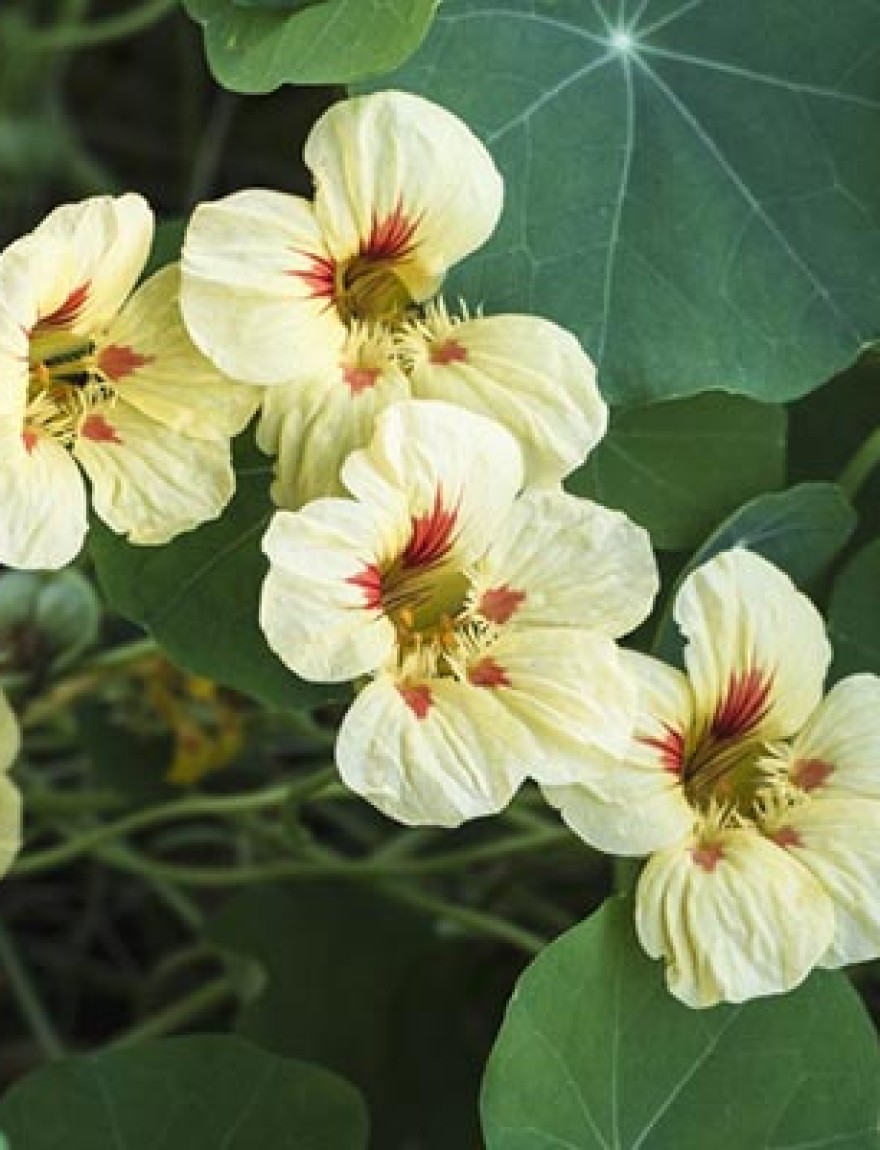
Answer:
(404, 182)
(249, 295)
(316, 608)
(838, 751)
(756, 653)
(10, 735)
(154, 364)
(571, 563)
(524, 371)
(10, 823)
(838, 841)
(735, 919)
(438, 456)
(150, 482)
(449, 754)
(44, 514)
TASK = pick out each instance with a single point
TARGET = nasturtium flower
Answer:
(10, 799)
(758, 801)
(331, 301)
(97, 373)
(478, 619)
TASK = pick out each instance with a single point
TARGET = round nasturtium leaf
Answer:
(595, 1054)
(258, 47)
(690, 183)
(198, 596)
(854, 615)
(197, 1093)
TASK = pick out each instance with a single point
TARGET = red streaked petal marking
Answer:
(786, 837)
(498, 604)
(29, 438)
(810, 774)
(488, 673)
(390, 238)
(96, 427)
(67, 312)
(360, 379)
(319, 275)
(417, 698)
(707, 857)
(369, 579)
(744, 705)
(450, 351)
(118, 361)
(671, 747)
(431, 534)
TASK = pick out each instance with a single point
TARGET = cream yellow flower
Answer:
(93, 374)
(330, 301)
(480, 620)
(10, 799)
(758, 799)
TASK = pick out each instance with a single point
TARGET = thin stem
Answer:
(860, 466)
(479, 921)
(72, 37)
(28, 1001)
(179, 1014)
(625, 873)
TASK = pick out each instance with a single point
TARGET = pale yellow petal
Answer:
(44, 513)
(13, 365)
(252, 290)
(10, 823)
(568, 563)
(155, 366)
(838, 751)
(838, 840)
(437, 756)
(524, 371)
(444, 461)
(403, 181)
(756, 653)
(735, 919)
(10, 735)
(319, 607)
(151, 483)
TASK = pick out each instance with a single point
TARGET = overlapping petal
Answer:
(524, 371)
(756, 649)
(563, 561)
(735, 919)
(249, 293)
(404, 182)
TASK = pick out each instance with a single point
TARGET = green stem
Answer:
(625, 874)
(478, 921)
(72, 37)
(28, 1001)
(860, 466)
(179, 1014)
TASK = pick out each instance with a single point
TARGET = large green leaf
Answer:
(198, 1093)
(332, 42)
(199, 595)
(595, 1054)
(854, 614)
(363, 986)
(801, 530)
(691, 185)
(679, 467)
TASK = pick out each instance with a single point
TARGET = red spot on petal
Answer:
(671, 747)
(707, 857)
(118, 361)
(97, 428)
(487, 673)
(417, 698)
(29, 438)
(744, 705)
(499, 603)
(319, 275)
(810, 774)
(360, 378)
(431, 534)
(451, 351)
(370, 582)
(390, 238)
(786, 837)
(67, 312)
